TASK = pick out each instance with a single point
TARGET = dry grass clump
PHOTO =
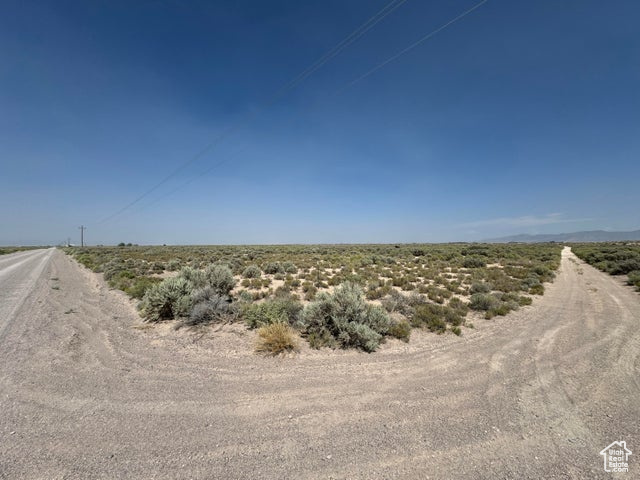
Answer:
(277, 338)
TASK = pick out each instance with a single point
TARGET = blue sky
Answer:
(522, 117)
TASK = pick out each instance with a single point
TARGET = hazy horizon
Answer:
(515, 119)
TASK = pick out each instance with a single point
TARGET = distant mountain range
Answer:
(592, 236)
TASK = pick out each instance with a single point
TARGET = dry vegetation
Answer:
(615, 258)
(7, 250)
(347, 296)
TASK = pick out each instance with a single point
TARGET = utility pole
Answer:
(82, 229)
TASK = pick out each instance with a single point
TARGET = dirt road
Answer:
(537, 394)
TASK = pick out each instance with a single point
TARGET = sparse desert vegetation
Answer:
(614, 258)
(7, 250)
(340, 296)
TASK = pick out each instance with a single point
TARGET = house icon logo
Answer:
(616, 457)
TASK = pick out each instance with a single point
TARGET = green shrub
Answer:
(537, 290)
(473, 262)
(140, 285)
(456, 330)
(252, 271)
(483, 301)
(195, 278)
(167, 300)
(346, 317)
(429, 316)
(173, 265)
(459, 306)
(400, 329)
(277, 310)
(480, 287)
(273, 267)
(289, 267)
(220, 278)
(500, 309)
(634, 279)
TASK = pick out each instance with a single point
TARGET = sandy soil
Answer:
(87, 391)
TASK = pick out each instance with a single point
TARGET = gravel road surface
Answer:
(87, 391)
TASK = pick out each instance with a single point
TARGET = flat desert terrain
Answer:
(88, 391)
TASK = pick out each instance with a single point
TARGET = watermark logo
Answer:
(616, 457)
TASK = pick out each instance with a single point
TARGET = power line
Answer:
(321, 62)
(352, 37)
(413, 45)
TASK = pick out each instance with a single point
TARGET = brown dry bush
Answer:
(277, 338)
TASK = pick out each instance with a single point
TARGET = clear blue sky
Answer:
(522, 117)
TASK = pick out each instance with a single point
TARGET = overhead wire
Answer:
(226, 132)
(304, 74)
(413, 45)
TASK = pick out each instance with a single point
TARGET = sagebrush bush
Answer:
(429, 316)
(480, 287)
(140, 285)
(273, 267)
(634, 279)
(277, 338)
(400, 329)
(483, 301)
(210, 307)
(277, 310)
(195, 278)
(473, 262)
(220, 278)
(345, 317)
(289, 267)
(252, 271)
(537, 290)
(167, 300)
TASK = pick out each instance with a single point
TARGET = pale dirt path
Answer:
(18, 275)
(535, 395)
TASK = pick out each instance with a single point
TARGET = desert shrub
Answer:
(429, 316)
(173, 265)
(624, 266)
(209, 307)
(634, 279)
(309, 291)
(347, 318)
(537, 289)
(483, 301)
(140, 285)
(459, 306)
(157, 267)
(400, 329)
(167, 300)
(473, 262)
(252, 271)
(529, 282)
(195, 278)
(501, 309)
(277, 338)
(244, 297)
(524, 300)
(289, 267)
(273, 267)
(456, 330)
(480, 287)
(277, 310)
(321, 338)
(220, 278)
